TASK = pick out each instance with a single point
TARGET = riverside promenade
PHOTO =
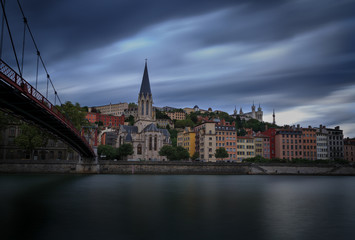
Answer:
(144, 167)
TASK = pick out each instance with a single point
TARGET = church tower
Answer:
(259, 114)
(146, 114)
(253, 114)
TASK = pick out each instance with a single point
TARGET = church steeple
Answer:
(145, 86)
(146, 113)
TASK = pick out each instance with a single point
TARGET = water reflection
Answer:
(176, 207)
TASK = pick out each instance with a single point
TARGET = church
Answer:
(145, 137)
(258, 115)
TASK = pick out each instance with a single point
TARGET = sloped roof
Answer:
(128, 138)
(151, 128)
(129, 129)
(145, 86)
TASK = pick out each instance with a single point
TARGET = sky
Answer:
(295, 56)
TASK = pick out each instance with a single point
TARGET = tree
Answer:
(181, 153)
(168, 151)
(161, 115)
(173, 136)
(130, 120)
(195, 156)
(132, 105)
(106, 151)
(221, 153)
(124, 150)
(74, 113)
(31, 138)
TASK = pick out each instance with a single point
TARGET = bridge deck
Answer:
(18, 96)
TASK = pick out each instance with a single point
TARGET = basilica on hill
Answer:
(145, 137)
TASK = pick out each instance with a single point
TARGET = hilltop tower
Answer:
(273, 117)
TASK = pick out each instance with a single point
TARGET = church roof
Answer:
(151, 128)
(145, 86)
(128, 138)
(130, 129)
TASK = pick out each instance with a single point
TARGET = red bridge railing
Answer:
(14, 79)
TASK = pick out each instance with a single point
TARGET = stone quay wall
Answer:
(120, 167)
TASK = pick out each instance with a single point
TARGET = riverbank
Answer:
(209, 168)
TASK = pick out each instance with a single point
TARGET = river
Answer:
(176, 207)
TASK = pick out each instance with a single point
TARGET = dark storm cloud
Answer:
(284, 54)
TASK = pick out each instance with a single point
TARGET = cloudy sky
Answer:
(297, 57)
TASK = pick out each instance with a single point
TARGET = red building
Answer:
(107, 120)
(349, 149)
(271, 132)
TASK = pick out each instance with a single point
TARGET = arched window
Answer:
(155, 142)
(150, 143)
(139, 149)
(142, 107)
(147, 107)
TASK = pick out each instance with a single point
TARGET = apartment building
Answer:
(226, 137)
(111, 109)
(335, 143)
(107, 120)
(205, 143)
(349, 149)
(288, 143)
(186, 139)
(176, 115)
(245, 147)
(309, 141)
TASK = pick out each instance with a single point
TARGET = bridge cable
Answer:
(40, 57)
(23, 42)
(38, 53)
(10, 35)
(2, 30)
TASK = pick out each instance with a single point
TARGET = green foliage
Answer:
(124, 150)
(74, 113)
(241, 132)
(99, 123)
(174, 153)
(168, 151)
(181, 153)
(31, 138)
(173, 136)
(106, 151)
(130, 120)
(161, 115)
(221, 153)
(195, 156)
(132, 105)
(184, 123)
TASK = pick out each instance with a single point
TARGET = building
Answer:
(111, 109)
(271, 133)
(322, 143)
(107, 120)
(265, 149)
(309, 141)
(176, 115)
(145, 137)
(335, 143)
(54, 149)
(165, 122)
(246, 147)
(131, 111)
(349, 149)
(258, 115)
(226, 137)
(288, 143)
(205, 143)
(186, 139)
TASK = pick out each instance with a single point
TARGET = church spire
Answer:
(145, 86)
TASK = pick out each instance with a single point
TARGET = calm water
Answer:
(176, 207)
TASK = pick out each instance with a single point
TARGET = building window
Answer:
(139, 149)
(150, 143)
(147, 107)
(142, 107)
(155, 142)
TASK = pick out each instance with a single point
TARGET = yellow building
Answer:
(245, 148)
(186, 139)
(258, 143)
(176, 115)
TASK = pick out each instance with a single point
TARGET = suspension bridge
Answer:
(18, 97)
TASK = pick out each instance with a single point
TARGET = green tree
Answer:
(124, 150)
(132, 105)
(31, 138)
(195, 156)
(106, 151)
(168, 151)
(99, 123)
(173, 136)
(221, 153)
(181, 153)
(130, 120)
(161, 115)
(74, 113)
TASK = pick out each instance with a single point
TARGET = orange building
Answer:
(288, 143)
(176, 115)
(226, 137)
(309, 140)
(107, 120)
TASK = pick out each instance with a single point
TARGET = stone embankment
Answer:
(111, 167)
